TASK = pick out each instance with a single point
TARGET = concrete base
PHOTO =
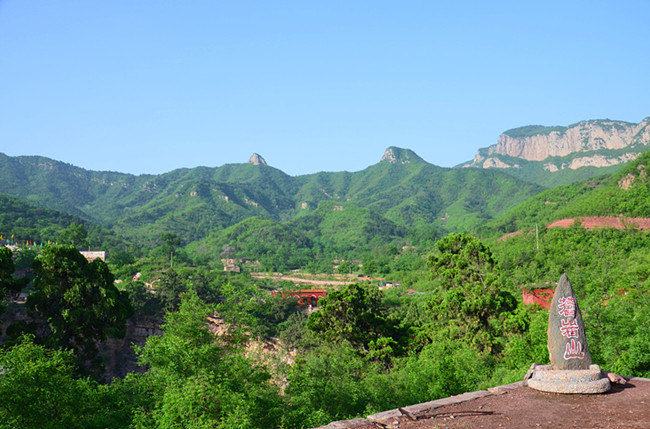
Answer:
(585, 381)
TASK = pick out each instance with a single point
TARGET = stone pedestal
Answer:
(571, 370)
(583, 381)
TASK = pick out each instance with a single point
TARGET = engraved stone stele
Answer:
(571, 370)
(567, 341)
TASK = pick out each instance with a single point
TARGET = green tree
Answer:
(78, 299)
(206, 286)
(471, 302)
(169, 289)
(74, 235)
(39, 389)
(272, 312)
(143, 301)
(197, 380)
(355, 314)
(24, 258)
(171, 242)
(326, 385)
(345, 267)
(8, 285)
(369, 267)
(120, 258)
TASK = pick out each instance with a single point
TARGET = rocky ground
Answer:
(625, 406)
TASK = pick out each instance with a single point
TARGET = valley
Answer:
(327, 296)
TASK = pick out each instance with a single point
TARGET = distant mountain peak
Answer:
(538, 143)
(256, 159)
(397, 155)
(556, 155)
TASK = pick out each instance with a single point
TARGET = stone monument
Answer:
(571, 370)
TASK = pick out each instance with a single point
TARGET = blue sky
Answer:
(150, 86)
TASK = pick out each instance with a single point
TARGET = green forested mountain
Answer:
(409, 191)
(364, 350)
(341, 227)
(21, 221)
(402, 189)
(334, 229)
(29, 222)
(64, 187)
(625, 193)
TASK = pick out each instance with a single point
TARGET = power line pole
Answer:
(537, 236)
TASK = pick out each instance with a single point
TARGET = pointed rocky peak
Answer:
(567, 340)
(256, 159)
(396, 155)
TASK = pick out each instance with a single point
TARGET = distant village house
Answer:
(92, 255)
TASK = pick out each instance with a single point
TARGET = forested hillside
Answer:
(198, 202)
(22, 222)
(26, 221)
(235, 351)
(626, 193)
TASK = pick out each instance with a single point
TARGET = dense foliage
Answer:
(610, 272)
(627, 193)
(78, 300)
(40, 388)
(232, 355)
(8, 284)
(193, 203)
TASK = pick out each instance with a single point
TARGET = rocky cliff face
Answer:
(256, 159)
(537, 143)
(118, 353)
(396, 155)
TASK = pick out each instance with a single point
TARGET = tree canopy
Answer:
(78, 299)
(8, 284)
(471, 300)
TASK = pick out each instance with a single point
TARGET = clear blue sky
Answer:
(149, 86)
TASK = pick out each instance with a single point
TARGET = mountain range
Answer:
(402, 188)
(209, 207)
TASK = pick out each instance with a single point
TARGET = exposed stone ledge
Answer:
(352, 424)
(637, 379)
(391, 418)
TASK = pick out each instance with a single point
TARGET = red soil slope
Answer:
(593, 222)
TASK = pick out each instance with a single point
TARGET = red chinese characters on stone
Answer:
(567, 306)
(569, 328)
(574, 350)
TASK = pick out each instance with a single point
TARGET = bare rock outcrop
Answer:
(396, 155)
(497, 163)
(538, 143)
(118, 353)
(256, 159)
(581, 137)
(628, 181)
